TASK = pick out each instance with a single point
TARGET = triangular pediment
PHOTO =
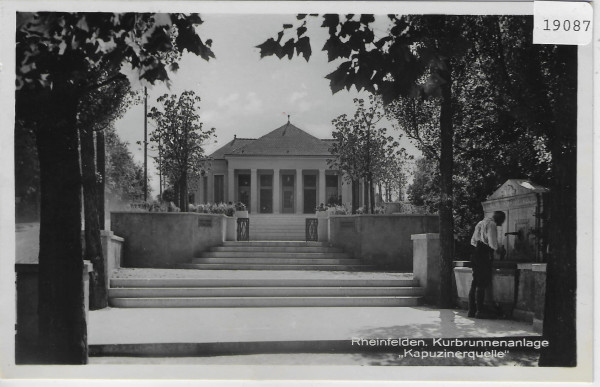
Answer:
(515, 187)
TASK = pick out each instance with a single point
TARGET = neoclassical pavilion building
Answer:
(283, 172)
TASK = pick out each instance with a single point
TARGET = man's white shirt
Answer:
(486, 231)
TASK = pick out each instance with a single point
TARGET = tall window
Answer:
(244, 190)
(310, 193)
(204, 189)
(266, 194)
(332, 192)
(219, 188)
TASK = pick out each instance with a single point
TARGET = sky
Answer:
(245, 95)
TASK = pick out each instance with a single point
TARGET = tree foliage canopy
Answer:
(124, 176)
(62, 48)
(363, 149)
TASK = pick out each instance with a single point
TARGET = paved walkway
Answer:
(289, 336)
(218, 325)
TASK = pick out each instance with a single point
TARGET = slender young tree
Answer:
(363, 149)
(179, 139)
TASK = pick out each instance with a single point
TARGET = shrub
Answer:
(340, 209)
(214, 208)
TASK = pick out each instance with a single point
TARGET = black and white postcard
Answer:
(308, 191)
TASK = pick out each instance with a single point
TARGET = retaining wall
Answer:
(165, 239)
(381, 240)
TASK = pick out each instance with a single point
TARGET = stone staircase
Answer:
(278, 227)
(269, 274)
(270, 255)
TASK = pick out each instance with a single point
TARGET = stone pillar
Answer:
(210, 191)
(299, 195)
(276, 192)
(230, 185)
(253, 191)
(345, 191)
(426, 268)
(321, 189)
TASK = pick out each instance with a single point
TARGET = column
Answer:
(276, 192)
(299, 196)
(346, 190)
(231, 185)
(210, 187)
(253, 191)
(322, 198)
(426, 253)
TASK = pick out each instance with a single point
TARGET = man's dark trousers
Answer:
(481, 262)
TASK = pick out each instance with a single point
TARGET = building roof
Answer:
(287, 140)
(230, 147)
(515, 187)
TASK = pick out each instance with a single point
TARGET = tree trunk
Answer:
(93, 243)
(446, 191)
(371, 195)
(366, 196)
(183, 193)
(101, 167)
(62, 324)
(176, 196)
(561, 281)
(355, 195)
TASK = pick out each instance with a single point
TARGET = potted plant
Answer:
(240, 210)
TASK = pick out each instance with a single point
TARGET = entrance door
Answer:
(287, 188)
(310, 193)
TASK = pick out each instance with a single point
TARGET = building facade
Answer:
(283, 172)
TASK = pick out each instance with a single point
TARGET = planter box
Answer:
(241, 214)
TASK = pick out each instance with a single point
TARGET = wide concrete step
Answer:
(281, 249)
(265, 292)
(277, 231)
(270, 254)
(265, 302)
(259, 282)
(286, 237)
(241, 266)
(259, 243)
(278, 261)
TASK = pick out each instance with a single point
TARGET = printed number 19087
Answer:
(566, 25)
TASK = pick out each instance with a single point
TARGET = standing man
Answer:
(485, 241)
